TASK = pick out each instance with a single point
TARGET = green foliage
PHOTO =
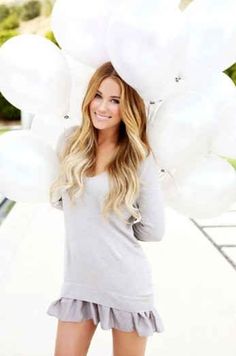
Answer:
(10, 22)
(7, 110)
(231, 72)
(4, 12)
(9, 207)
(50, 36)
(16, 9)
(2, 131)
(30, 10)
(231, 161)
(47, 8)
(6, 35)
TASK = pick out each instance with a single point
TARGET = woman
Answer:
(109, 191)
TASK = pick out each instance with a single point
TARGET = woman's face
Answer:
(104, 109)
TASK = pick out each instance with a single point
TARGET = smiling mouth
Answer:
(100, 117)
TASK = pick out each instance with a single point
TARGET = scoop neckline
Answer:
(97, 175)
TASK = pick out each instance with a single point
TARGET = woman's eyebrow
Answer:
(112, 96)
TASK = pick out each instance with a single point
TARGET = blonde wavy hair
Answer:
(78, 156)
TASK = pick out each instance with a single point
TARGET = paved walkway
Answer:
(194, 281)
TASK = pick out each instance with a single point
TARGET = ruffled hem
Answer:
(144, 322)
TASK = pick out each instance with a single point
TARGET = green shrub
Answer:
(46, 8)
(7, 110)
(9, 206)
(4, 12)
(30, 10)
(233, 77)
(16, 9)
(10, 22)
(231, 161)
(2, 131)
(50, 36)
(231, 72)
(7, 34)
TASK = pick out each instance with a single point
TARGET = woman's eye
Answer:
(99, 96)
(116, 101)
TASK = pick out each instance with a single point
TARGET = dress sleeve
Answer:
(150, 202)
(61, 141)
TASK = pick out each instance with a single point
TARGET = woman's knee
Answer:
(74, 338)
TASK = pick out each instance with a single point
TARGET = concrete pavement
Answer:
(194, 284)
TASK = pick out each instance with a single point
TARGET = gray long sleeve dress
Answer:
(107, 276)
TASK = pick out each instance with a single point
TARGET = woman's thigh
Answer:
(73, 338)
(128, 343)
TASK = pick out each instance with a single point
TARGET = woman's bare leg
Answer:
(74, 338)
(128, 343)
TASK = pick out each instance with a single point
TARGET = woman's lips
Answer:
(101, 118)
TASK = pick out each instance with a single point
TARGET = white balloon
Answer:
(152, 109)
(80, 75)
(28, 167)
(80, 28)
(210, 25)
(145, 44)
(181, 129)
(204, 188)
(221, 91)
(219, 87)
(223, 140)
(49, 127)
(168, 5)
(34, 75)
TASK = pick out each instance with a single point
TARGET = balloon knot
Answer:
(177, 79)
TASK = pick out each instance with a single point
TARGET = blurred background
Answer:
(18, 17)
(33, 16)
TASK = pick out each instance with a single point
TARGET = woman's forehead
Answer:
(109, 86)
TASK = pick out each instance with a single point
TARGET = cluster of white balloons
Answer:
(170, 57)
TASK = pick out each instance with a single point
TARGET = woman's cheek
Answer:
(117, 111)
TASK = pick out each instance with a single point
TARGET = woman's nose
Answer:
(102, 105)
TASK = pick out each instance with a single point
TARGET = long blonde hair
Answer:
(78, 156)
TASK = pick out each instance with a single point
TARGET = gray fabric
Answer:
(104, 260)
(145, 323)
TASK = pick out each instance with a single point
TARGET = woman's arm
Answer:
(151, 226)
(61, 141)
